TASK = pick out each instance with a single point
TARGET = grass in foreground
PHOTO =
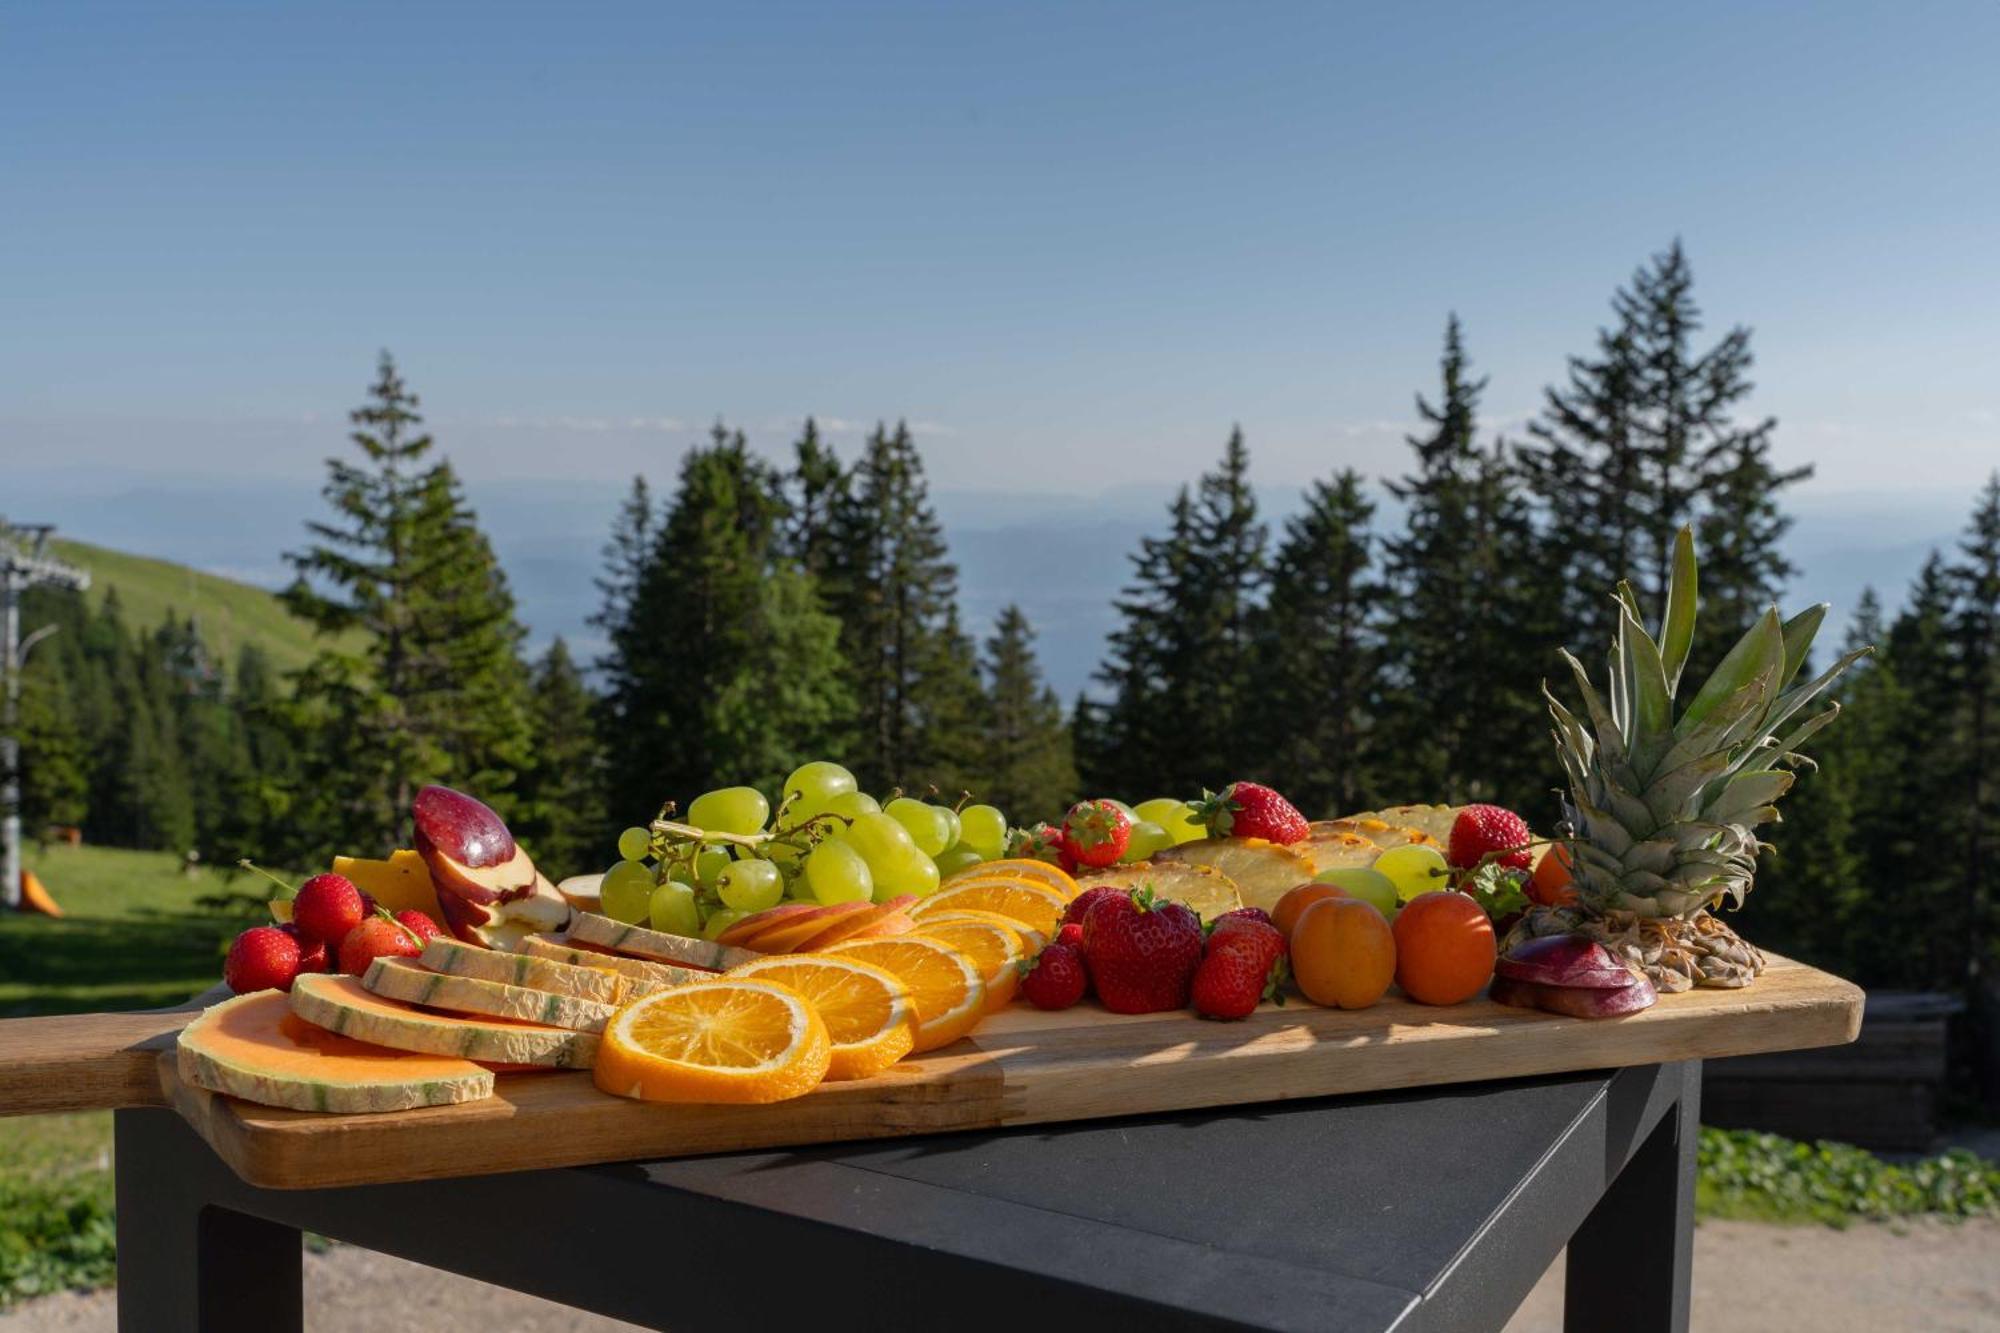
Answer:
(137, 932)
(1767, 1178)
(56, 1220)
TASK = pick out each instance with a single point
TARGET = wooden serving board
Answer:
(1021, 1067)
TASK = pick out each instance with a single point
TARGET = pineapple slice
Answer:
(1263, 871)
(1433, 821)
(1333, 848)
(1204, 890)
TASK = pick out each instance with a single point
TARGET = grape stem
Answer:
(680, 830)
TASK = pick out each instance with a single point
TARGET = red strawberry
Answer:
(1256, 914)
(1481, 830)
(261, 958)
(419, 925)
(312, 952)
(1071, 933)
(1042, 842)
(1251, 810)
(1080, 906)
(1096, 833)
(377, 937)
(1266, 938)
(1236, 975)
(1056, 978)
(1142, 952)
(327, 907)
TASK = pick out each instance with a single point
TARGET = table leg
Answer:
(1631, 1262)
(186, 1265)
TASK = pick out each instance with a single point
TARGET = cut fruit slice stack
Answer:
(522, 970)
(402, 979)
(995, 947)
(1034, 905)
(256, 1048)
(732, 1039)
(870, 1015)
(945, 985)
(655, 946)
(343, 1005)
(639, 976)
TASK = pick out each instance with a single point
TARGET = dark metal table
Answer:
(1433, 1209)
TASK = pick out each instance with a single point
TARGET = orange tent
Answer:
(35, 897)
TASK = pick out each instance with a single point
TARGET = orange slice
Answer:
(1032, 905)
(1037, 872)
(950, 994)
(993, 946)
(869, 1013)
(734, 1039)
(1032, 940)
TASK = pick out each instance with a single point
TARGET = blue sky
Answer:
(1073, 244)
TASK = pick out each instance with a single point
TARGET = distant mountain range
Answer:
(1062, 558)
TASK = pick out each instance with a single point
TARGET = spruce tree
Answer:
(1644, 439)
(890, 584)
(1974, 630)
(437, 691)
(724, 667)
(55, 782)
(561, 804)
(1027, 767)
(819, 486)
(1320, 651)
(1126, 742)
(1464, 633)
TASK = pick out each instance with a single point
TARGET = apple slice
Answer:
(1575, 1001)
(488, 889)
(856, 923)
(789, 934)
(894, 923)
(1565, 960)
(740, 932)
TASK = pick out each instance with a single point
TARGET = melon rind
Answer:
(402, 979)
(640, 976)
(655, 945)
(341, 1004)
(460, 959)
(205, 1057)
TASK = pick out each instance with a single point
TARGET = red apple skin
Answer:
(1575, 1001)
(760, 921)
(462, 827)
(891, 923)
(1565, 960)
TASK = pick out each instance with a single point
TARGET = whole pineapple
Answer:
(1661, 809)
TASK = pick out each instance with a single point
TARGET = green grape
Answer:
(751, 886)
(626, 889)
(1413, 869)
(1370, 886)
(839, 874)
(1147, 841)
(672, 909)
(729, 810)
(983, 829)
(634, 843)
(877, 837)
(926, 824)
(903, 870)
(952, 823)
(956, 858)
(1176, 817)
(853, 803)
(812, 785)
(709, 863)
(719, 921)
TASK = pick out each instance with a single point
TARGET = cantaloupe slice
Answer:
(460, 959)
(343, 1005)
(640, 976)
(256, 1048)
(402, 979)
(655, 946)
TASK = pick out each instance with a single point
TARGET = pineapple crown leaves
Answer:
(1663, 805)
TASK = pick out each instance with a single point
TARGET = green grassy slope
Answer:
(228, 614)
(136, 932)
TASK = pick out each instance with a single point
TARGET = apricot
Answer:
(1445, 949)
(1343, 955)
(1290, 907)
(1550, 884)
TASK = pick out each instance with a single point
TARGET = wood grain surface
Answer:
(1020, 1067)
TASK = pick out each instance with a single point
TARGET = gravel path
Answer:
(1748, 1279)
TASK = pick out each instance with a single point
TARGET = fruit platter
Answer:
(815, 964)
